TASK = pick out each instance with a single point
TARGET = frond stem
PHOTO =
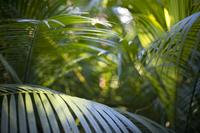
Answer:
(28, 61)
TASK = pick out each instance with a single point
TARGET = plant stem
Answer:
(28, 62)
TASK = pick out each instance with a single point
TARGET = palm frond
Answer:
(178, 56)
(181, 44)
(50, 111)
(149, 124)
(61, 34)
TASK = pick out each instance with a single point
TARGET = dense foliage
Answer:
(136, 55)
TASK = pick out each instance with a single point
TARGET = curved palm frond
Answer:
(149, 124)
(181, 42)
(30, 108)
(63, 34)
(177, 56)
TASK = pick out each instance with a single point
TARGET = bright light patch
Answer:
(123, 14)
(167, 18)
(97, 20)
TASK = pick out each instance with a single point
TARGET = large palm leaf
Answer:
(179, 52)
(69, 38)
(66, 40)
(29, 108)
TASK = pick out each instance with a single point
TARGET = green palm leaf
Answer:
(58, 35)
(177, 56)
(38, 109)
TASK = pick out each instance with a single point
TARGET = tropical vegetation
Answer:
(140, 57)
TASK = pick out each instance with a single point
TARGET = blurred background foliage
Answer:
(146, 60)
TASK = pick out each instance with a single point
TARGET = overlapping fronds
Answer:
(60, 36)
